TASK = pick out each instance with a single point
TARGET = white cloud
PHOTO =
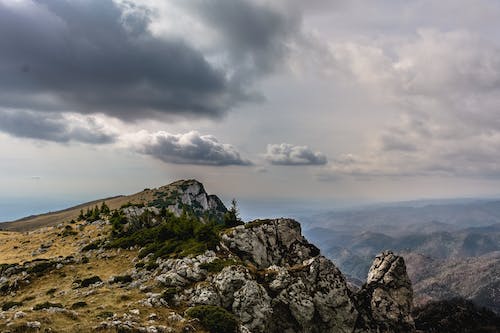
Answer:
(287, 154)
(187, 148)
(445, 86)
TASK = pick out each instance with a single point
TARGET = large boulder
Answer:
(385, 300)
(270, 242)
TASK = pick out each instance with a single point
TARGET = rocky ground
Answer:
(263, 276)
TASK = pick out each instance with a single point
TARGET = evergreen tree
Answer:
(104, 208)
(231, 217)
(81, 217)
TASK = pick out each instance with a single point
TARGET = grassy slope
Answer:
(18, 247)
(54, 218)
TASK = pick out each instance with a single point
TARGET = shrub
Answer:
(9, 305)
(105, 314)
(47, 305)
(68, 231)
(51, 291)
(78, 305)
(122, 279)
(40, 267)
(90, 281)
(92, 246)
(214, 318)
(152, 265)
(174, 236)
(169, 294)
(217, 265)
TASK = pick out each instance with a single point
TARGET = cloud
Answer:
(55, 127)
(253, 35)
(444, 87)
(101, 56)
(287, 154)
(187, 148)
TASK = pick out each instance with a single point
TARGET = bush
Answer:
(217, 265)
(173, 236)
(214, 318)
(51, 291)
(78, 305)
(9, 305)
(47, 305)
(90, 281)
(105, 314)
(92, 246)
(40, 267)
(169, 294)
(121, 279)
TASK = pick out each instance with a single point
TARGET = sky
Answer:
(281, 103)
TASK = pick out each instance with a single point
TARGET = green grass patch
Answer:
(218, 265)
(214, 318)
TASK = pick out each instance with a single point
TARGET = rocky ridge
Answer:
(187, 195)
(263, 275)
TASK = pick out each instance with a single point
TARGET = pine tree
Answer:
(231, 217)
(104, 208)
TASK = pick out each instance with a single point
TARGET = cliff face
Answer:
(299, 290)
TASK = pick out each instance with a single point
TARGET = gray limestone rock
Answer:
(270, 242)
(385, 300)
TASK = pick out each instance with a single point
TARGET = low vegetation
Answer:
(11, 304)
(47, 305)
(218, 265)
(214, 318)
(165, 235)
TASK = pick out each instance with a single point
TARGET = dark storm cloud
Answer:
(187, 148)
(53, 127)
(255, 35)
(287, 154)
(89, 56)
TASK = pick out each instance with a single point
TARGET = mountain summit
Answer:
(168, 260)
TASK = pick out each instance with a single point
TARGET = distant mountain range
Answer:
(451, 249)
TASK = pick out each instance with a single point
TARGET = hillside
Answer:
(176, 260)
(179, 261)
(53, 218)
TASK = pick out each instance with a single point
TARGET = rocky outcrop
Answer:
(191, 195)
(263, 276)
(311, 297)
(270, 242)
(286, 286)
(385, 300)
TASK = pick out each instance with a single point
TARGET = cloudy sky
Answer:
(331, 101)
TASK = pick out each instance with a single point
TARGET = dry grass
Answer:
(57, 285)
(19, 247)
(21, 241)
(54, 218)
